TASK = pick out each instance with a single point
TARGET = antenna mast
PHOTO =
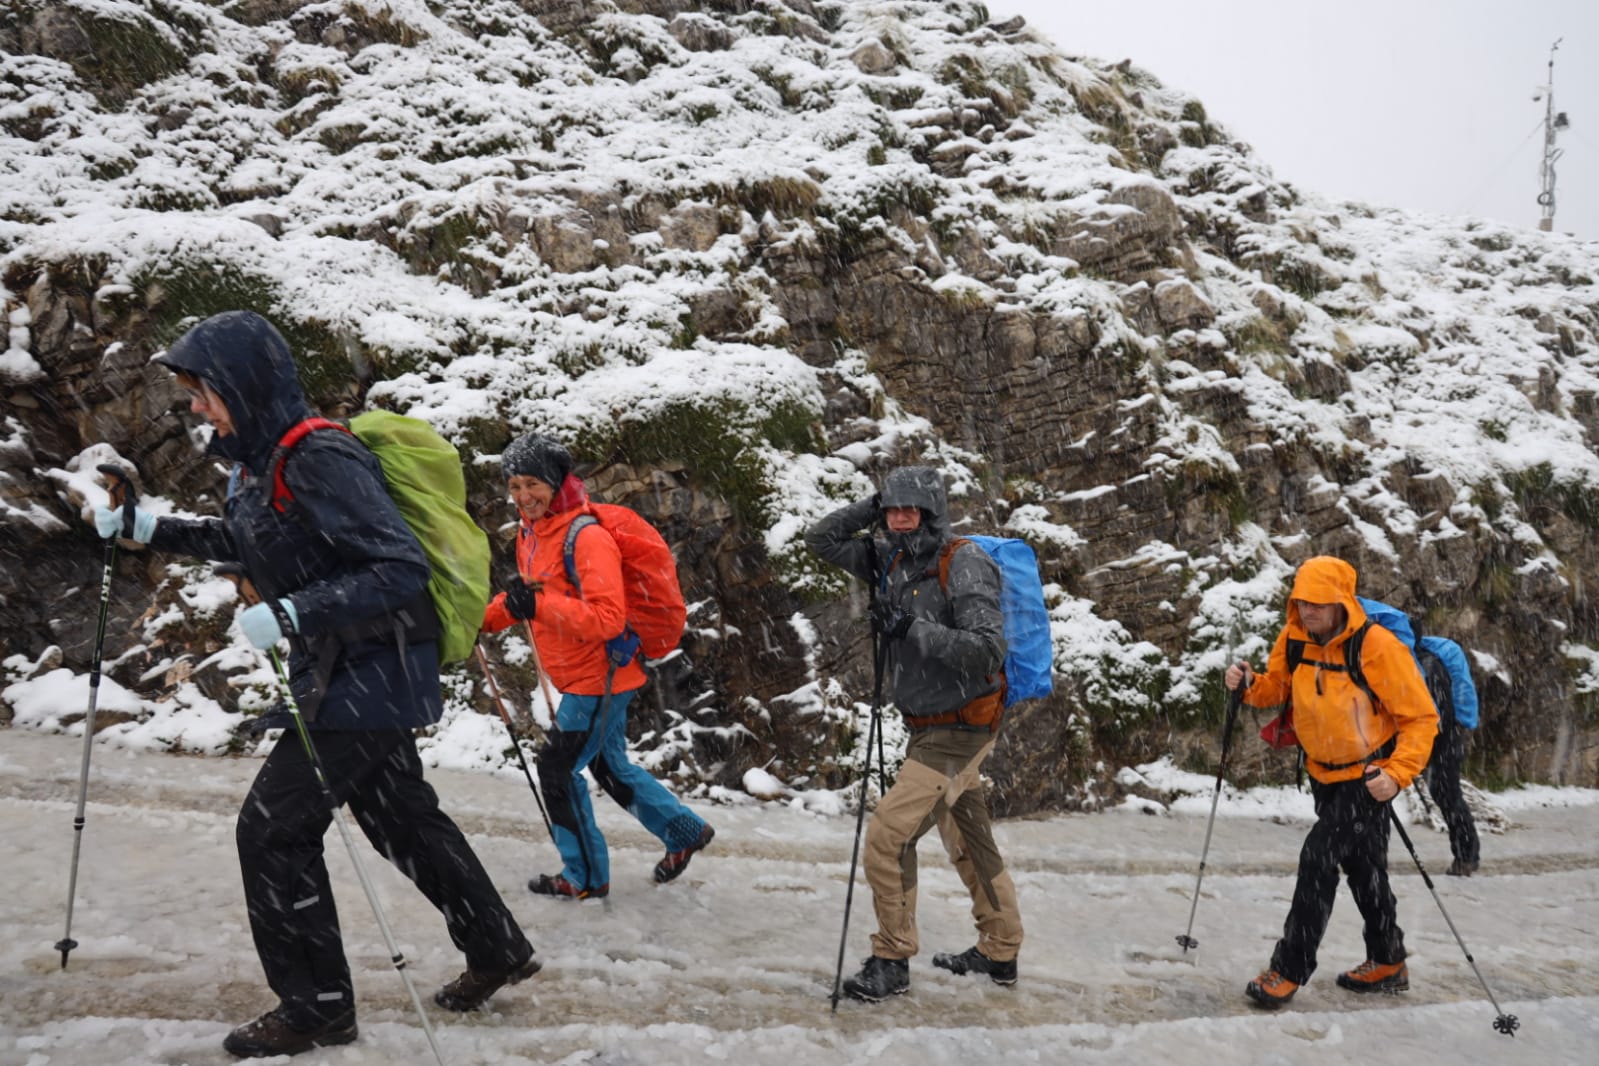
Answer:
(1553, 122)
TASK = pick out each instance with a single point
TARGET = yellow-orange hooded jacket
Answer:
(1337, 725)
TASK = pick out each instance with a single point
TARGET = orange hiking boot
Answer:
(1271, 990)
(1376, 977)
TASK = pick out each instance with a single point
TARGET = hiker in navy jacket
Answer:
(341, 576)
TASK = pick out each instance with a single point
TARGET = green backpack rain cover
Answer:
(424, 478)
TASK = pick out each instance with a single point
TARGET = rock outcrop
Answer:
(747, 256)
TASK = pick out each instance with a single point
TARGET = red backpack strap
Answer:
(281, 496)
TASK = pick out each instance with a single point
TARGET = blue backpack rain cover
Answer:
(1029, 655)
(1462, 691)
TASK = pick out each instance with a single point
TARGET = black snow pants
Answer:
(1443, 781)
(280, 839)
(1350, 834)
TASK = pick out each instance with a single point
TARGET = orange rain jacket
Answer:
(570, 630)
(1336, 722)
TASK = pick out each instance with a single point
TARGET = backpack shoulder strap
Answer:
(569, 548)
(1353, 647)
(281, 496)
(1296, 654)
(945, 558)
(1440, 684)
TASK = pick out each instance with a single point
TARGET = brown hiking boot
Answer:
(271, 1034)
(1376, 977)
(677, 861)
(1271, 990)
(473, 988)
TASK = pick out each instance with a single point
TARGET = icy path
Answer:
(734, 963)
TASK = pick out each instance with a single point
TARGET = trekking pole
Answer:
(1507, 1024)
(1186, 939)
(877, 672)
(122, 495)
(395, 955)
(860, 818)
(877, 662)
(538, 668)
(494, 691)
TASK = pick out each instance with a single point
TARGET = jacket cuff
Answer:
(288, 618)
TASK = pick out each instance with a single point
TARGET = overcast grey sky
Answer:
(1423, 104)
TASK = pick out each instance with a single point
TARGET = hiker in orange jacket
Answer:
(575, 631)
(1361, 753)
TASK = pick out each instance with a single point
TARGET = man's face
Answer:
(902, 519)
(1319, 619)
(531, 496)
(204, 401)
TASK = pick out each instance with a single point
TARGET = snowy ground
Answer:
(734, 962)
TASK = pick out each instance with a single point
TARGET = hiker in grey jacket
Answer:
(936, 613)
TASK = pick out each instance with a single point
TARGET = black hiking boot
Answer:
(677, 861)
(1462, 868)
(973, 961)
(879, 978)
(271, 1034)
(473, 988)
(561, 888)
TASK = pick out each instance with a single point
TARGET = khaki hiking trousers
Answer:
(940, 784)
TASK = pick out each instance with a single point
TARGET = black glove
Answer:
(521, 600)
(889, 620)
(865, 513)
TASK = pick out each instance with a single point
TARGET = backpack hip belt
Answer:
(982, 713)
(1383, 751)
(415, 623)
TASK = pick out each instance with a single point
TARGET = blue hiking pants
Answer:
(581, 739)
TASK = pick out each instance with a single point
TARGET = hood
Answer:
(921, 487)
(247, 361)
(1325, 579)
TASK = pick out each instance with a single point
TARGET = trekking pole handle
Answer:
(123, 494)
(241, 581)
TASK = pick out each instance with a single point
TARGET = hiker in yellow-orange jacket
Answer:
(1363, 745)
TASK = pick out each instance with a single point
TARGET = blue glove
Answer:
(263, 624)
(108, 523)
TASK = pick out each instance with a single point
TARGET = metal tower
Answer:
(1553, 122)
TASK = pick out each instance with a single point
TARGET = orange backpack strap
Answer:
(946, 557)
(985, 711)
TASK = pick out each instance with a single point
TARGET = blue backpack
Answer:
(1442, 662)
(1030, 655)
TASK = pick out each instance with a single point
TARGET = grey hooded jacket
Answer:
(955, 647)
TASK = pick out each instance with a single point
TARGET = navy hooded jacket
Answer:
(340, 552)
